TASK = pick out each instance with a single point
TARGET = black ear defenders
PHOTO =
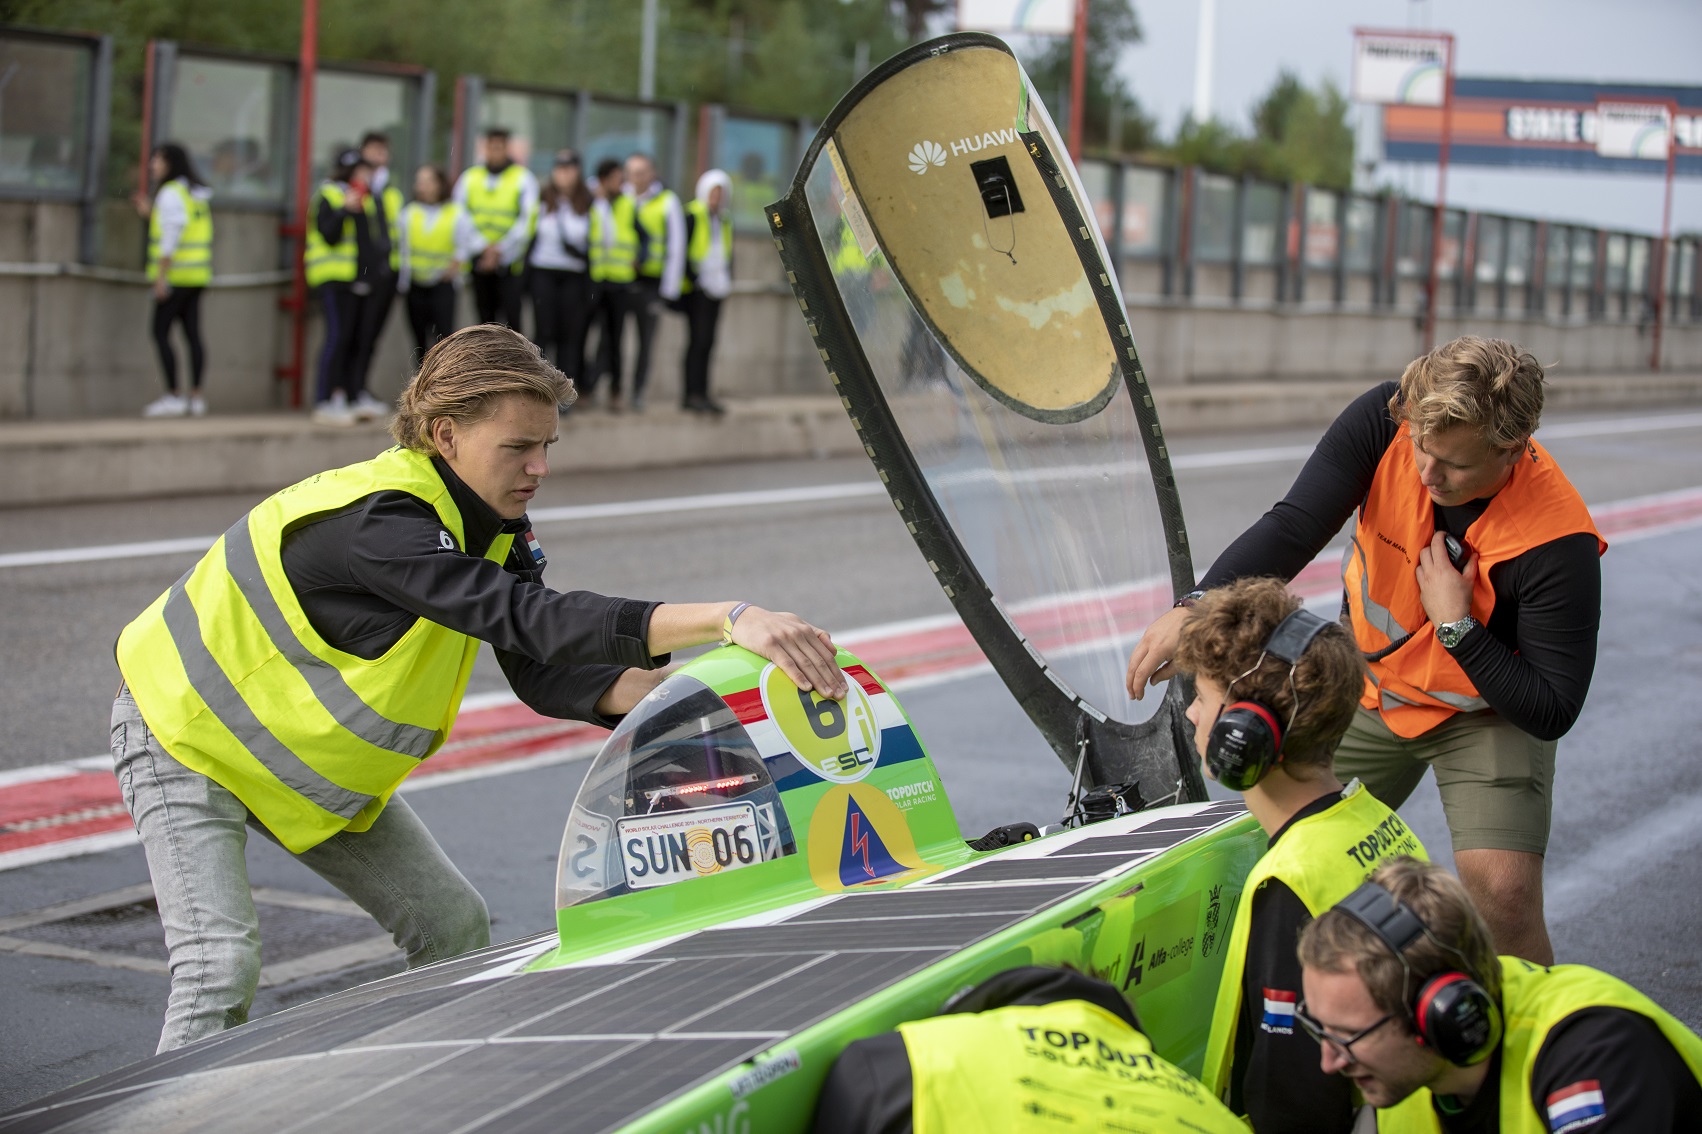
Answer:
(1451, 1012)
(1246, 740)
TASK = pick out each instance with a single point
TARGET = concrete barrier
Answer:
(63, 462)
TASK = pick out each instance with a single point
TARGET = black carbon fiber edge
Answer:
(1156, 754)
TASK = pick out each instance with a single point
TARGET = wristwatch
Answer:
(1450, 633)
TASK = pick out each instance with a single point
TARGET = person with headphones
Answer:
(1030, 1048)
(1275, 688)
(1473, 587)
(1408, 1001)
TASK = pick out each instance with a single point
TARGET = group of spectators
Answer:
(593, 249)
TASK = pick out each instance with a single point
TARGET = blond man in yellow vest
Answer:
(1473, 584)
(1275, 688)
(318, 653)
(1029, 1049)
(1408, 1001)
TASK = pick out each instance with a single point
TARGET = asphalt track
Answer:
(1623, 868)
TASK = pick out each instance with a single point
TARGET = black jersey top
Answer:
(366, 573)
(1276, 1079)
(1645, 1084)
(1533, 661)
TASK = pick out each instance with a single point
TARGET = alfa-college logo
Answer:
(925, 154)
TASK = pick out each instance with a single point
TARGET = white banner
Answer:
(1019, 17)
(1399, 68)
(1632, 130)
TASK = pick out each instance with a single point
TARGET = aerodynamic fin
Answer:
(950, 269)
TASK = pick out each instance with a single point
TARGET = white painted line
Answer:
(68, 848)
(1612, 863)
(817, 493)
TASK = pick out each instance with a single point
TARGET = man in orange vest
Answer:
(1474, 590)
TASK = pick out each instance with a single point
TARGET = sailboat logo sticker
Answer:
(925, 154)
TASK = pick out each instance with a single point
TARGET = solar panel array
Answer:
(475, 1044)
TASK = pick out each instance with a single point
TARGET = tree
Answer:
(1303, 134)
(1299, 134)
(1111, 26)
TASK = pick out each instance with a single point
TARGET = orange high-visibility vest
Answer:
(1418, 685)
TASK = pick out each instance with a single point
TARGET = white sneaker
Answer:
(166, 405)
(197, 406)
(368, 408)
(334, 411)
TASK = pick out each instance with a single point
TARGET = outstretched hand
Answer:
(1149, 663)
(803, 652)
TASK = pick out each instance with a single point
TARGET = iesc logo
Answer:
(925, 154)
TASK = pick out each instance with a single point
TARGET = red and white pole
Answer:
(1660, 257)
(1078, 78)
(1432, 288)
(307, 68)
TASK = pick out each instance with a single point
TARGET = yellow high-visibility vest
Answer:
(339, 262)
(192, 259)
(431, 240)
(653, 232)
(1533, 1001)
(614, 241)
(697, 248)
(495, 208)
(1323, 858)
(393, 220)
(236, 683)
(1070, 1066)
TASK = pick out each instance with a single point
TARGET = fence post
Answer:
(94, 168)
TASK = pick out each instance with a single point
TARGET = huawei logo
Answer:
(926, 154)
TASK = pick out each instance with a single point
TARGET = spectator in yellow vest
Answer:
(348, 262)
(436, 237)
(180, 266)
(1276, 686)
(661, 258)
(1409, 1002)
(387, 197)
(709, 280)
(614, 272)
(502, 197)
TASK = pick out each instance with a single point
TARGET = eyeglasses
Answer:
(1343, 1044)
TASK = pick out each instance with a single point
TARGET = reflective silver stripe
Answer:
(1378, 615)
(1459, 701)
(225, 703)
(1454, 700)
(326, 681)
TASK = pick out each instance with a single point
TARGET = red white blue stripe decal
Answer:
(1279, 1011)
(1575, 1107)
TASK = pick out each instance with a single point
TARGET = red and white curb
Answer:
(54, 811)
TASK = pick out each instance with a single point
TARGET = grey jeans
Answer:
(194, 831)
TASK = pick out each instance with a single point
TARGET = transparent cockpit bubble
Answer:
(678, 792)
(971, 299)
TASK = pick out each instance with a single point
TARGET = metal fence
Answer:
(1180, 234)
(1297, 244)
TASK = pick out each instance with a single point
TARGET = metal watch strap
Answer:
(1450, 634)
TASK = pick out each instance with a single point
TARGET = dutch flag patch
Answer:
(1279, 1011)
(1577, 1106)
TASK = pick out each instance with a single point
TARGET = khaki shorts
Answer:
(1497, 782)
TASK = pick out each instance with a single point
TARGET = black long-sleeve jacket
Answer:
(366, 573)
